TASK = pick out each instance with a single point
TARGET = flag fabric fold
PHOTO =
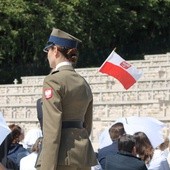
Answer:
(124, 72)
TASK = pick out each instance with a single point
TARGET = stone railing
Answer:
(158, 57)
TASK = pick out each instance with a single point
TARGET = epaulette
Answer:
(55, 72)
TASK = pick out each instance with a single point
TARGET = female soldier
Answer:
(67, 109)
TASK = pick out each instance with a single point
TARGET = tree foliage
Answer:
(135, 28)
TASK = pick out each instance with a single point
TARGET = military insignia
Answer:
(48, 93)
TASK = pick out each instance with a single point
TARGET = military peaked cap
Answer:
(61, 38)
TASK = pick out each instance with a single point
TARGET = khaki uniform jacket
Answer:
(66, 97)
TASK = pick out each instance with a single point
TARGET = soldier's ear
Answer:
(55, 50)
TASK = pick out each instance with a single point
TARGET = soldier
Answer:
(67, 109)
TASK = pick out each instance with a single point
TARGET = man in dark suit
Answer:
(116, 131)
(40, 112)
(126, 158)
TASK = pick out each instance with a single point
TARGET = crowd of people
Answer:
(19, 151)
(133, 152)
(126, 152)
(65, 112)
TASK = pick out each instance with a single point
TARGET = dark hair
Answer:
(143, 147)
(70, 53)
(116, 131)
(126, 143)
(16, 131)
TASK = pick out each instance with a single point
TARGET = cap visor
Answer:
(47, 47)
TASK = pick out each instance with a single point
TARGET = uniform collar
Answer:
(65, 63)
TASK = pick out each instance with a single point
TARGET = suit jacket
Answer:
(17, 152)
(66, 97)
(4, 148)
(39, 112)
(106, 151)
(124, 161)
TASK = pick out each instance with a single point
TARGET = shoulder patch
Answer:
(48, 93)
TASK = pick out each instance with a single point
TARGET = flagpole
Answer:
(97, 71)
(107, 58)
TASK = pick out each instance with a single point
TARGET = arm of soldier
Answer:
(52, 120)
(89, 118)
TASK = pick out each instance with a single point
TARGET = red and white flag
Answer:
(117, 67)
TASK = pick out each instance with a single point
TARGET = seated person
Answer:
(16, 150)
(28, 162)
(126, 158)
(30, 138)
(4, 148)
(159, 160)
(116, 131)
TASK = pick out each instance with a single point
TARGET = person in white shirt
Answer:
(28, 162)
(159, 161)
(30, 138)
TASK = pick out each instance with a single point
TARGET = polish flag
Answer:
(117, 67)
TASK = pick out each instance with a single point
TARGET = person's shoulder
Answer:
(21, 148)
(125, 161)
(112, 156)
(56, 75)
(107, 148)
(21, 152)
(139, 163)
(158, 157)
(53, 78)
(160, 161)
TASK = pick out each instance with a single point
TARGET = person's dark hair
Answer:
(126, 143)
(16, 131)
(71, 54)
(144, 147)
(116, 131)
